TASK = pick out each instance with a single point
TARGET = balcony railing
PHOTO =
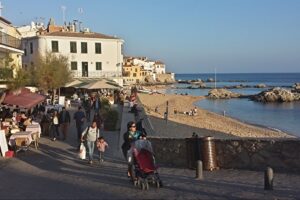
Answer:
(10, 41)
(97, 74)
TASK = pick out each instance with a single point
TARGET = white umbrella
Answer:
(101, 84)
(73, 83)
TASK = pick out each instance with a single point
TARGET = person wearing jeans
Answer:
(90, 135)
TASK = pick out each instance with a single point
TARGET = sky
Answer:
(189, 36)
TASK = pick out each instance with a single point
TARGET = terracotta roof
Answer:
(80, 34)
(159, 62)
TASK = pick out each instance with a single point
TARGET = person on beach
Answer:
(130, 136)
(90, 135)
(101, 145)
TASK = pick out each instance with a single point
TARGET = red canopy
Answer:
(24, 99)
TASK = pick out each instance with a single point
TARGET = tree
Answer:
(21, 79)
(6, 67)
(52, 72)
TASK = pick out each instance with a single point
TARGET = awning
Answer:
(73, 83)
(101, 84)
(24, 99)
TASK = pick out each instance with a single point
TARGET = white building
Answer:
(159, 67)
(91, 55)
(30, 30)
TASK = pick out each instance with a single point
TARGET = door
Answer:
(85, 69)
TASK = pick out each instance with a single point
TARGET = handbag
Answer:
(82, 151)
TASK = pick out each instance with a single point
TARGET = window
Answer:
(73, 47)
(134, 74)
(54, 45)
(84, 47)
(25, 52)
(73, 65)
(135, 70)
(98, 48)
(98, 65)
(31, 48)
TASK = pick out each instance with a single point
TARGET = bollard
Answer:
(269, 176)
(199, 170)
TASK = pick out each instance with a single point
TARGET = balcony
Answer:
(97, 74)
(10, 41)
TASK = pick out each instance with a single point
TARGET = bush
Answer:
(110, 120)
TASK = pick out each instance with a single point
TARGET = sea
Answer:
(277, 116)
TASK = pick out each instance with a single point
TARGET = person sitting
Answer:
(175, 111)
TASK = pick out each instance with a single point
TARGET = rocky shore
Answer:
(203, 119)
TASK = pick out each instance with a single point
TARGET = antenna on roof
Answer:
(1, 8)
(63, 9)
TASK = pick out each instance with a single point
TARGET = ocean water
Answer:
(281, 116)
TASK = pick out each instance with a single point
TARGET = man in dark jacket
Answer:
(64, 121)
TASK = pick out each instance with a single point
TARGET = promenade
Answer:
(54, 172)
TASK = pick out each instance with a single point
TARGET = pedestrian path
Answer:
(55, 172)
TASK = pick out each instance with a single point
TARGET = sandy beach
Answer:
(203, 119)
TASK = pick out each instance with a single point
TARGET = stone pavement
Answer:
(55, 172)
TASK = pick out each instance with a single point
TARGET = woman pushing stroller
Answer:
(130, 136)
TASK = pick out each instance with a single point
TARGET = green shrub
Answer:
(110, 120)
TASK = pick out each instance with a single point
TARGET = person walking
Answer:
(129, 137)
(55, 126)
(99, 120)
(101, 145)
(90, 135)
(64, 120)
(79, 117)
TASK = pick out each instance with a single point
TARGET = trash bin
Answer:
(209, 153)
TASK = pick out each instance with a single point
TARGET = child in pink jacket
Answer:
(101, 145)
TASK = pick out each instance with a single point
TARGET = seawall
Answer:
(251, 154)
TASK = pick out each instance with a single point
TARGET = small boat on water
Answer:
(149, 91)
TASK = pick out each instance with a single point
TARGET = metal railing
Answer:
(146, 122)
(10, 41)
(97, 74)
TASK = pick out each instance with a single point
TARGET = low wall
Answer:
(251, 154)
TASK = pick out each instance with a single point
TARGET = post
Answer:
(269, 176)
(167, 112)
(199, 170)
(224, 113)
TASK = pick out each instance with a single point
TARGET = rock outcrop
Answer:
(277, 95)
(260, 86)
(222, 94)
(296, 88)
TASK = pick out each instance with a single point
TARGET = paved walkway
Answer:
(55, 172)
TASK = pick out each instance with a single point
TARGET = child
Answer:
(101, 145)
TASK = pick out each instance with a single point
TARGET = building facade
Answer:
(10, 47)
(91, 55)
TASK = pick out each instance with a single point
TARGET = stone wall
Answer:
(250, 154)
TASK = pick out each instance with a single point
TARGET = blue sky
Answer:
(190, 36)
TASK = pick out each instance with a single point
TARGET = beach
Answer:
(204, 119)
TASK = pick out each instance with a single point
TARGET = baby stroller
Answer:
(144, 168)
